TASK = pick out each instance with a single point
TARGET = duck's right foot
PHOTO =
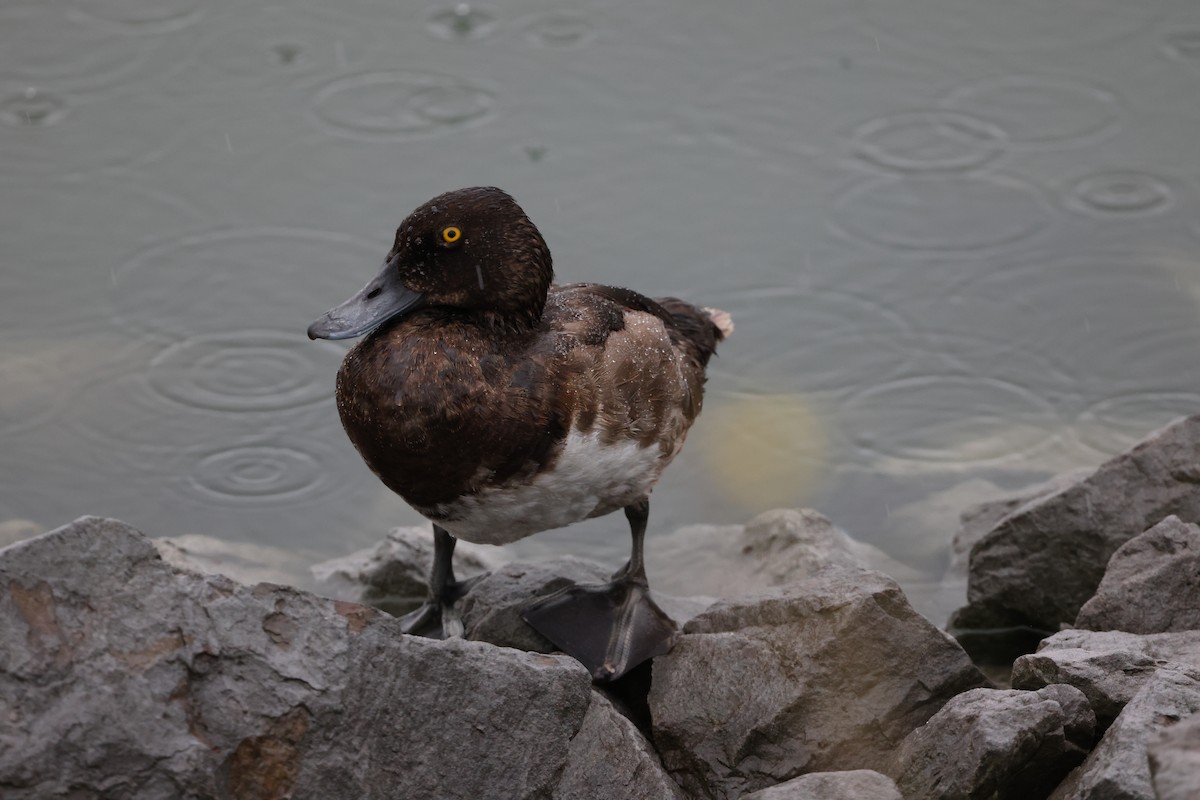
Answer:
(438, 617)
(425, 621)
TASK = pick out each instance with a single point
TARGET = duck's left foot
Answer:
(609, 628)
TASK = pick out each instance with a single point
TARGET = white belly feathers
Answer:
(588, 479)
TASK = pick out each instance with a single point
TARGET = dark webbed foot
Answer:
(609, 628)
(433, 619)
(425, 621)
(436, 618)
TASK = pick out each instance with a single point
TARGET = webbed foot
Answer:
(425, 621)
(437, 617)
(609, 628)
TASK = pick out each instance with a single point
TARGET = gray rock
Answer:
(993, 743)
(776, 547)
(856, 784)
(394, 575)
(491, 610)
(827, 674)
(1118, 768)
(971, 509)
(121, 676)
(978, 519)
(1109, 667)
(1175, 760)
(1152, 583)
(1043, 561)
(610, 758)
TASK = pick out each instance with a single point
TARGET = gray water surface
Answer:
(960, 240)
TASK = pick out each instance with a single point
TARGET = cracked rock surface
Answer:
(1040, 563)
(1119, 766)
(827, 674)
(1151, 585)
(1109, 667)
(122, 676)
(1002, 744)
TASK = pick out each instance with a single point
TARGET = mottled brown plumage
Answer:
(499, 405)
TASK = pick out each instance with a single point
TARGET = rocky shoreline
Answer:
(130, 669)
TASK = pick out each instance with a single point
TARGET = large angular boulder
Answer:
(827, 674)
(610, 758)
(1042, 562)
(976, 520)
(1152, 583)
(122, 676)
(394, 575)
(1118, 767)
(1109, 667)
(855, 784)
(1175, 760)
(997, 744)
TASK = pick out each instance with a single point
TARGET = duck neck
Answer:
(506, 323)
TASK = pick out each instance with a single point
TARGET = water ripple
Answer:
(134, 430)
(1006, 27)
(245, 371)
(958, 213)
(253, 278)
(1036, 111)
(1121, 193)
(261, 474)
(72, 52)
(1183, 45)
(141, 16)
(31, 393)
(928, 141)
(836, 341)
(560, 29)
(388, 106)
(949, 419)
(274, 40)
(1113, 425)
(124, 415)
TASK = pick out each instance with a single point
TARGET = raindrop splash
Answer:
(386, 106)
(32, 108)
(561, 29)
(1127, 193)
(463, 21)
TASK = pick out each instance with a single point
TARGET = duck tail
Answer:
(721, 319)
(699, 328)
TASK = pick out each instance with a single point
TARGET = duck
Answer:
(498, 405)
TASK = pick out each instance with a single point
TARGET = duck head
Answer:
(470, 251)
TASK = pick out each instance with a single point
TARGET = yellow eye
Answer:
(451, 235)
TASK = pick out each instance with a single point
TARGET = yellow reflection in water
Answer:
(765, 451)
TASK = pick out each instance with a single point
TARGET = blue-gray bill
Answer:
(383, 299)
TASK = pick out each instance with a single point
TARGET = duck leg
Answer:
(444, 591)
(610, 628)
